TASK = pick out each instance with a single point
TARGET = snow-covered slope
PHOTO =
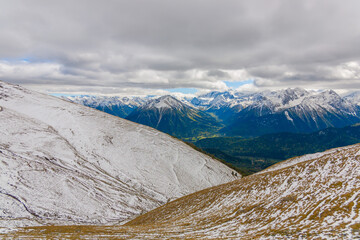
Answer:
(61, 162)
(354, 98)
(315, 196)
(309, 197)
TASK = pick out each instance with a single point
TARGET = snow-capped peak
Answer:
(165, 102)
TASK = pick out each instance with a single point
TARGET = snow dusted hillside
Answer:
(309, 197)
(315, 196)
(64, 163)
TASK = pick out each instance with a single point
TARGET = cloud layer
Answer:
(143, 46)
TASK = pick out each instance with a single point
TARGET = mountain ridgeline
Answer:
(293, 110)
(233, 113)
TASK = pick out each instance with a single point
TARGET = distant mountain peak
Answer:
(174, 117)
(329, 92)
(305, 110)
(167, 101)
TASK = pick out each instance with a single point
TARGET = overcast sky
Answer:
(148, 46)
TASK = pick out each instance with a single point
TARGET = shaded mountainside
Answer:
(63, 163)
(178, 119)
(253, 155)
(116, 110)
(310, 197)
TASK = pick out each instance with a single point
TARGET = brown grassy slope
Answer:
(316, 197)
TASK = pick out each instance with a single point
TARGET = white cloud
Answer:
(346, 71)
(249, 87)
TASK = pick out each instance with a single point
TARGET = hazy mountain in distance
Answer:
(243, 114)
(293, 110)
(117, 106)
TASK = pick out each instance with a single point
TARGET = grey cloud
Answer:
(218, 74)
(114, 43)
(268, 71)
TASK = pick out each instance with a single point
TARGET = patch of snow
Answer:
(288, 116)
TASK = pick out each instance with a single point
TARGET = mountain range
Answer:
(234, 113)
(63, 163)
(293, 110)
